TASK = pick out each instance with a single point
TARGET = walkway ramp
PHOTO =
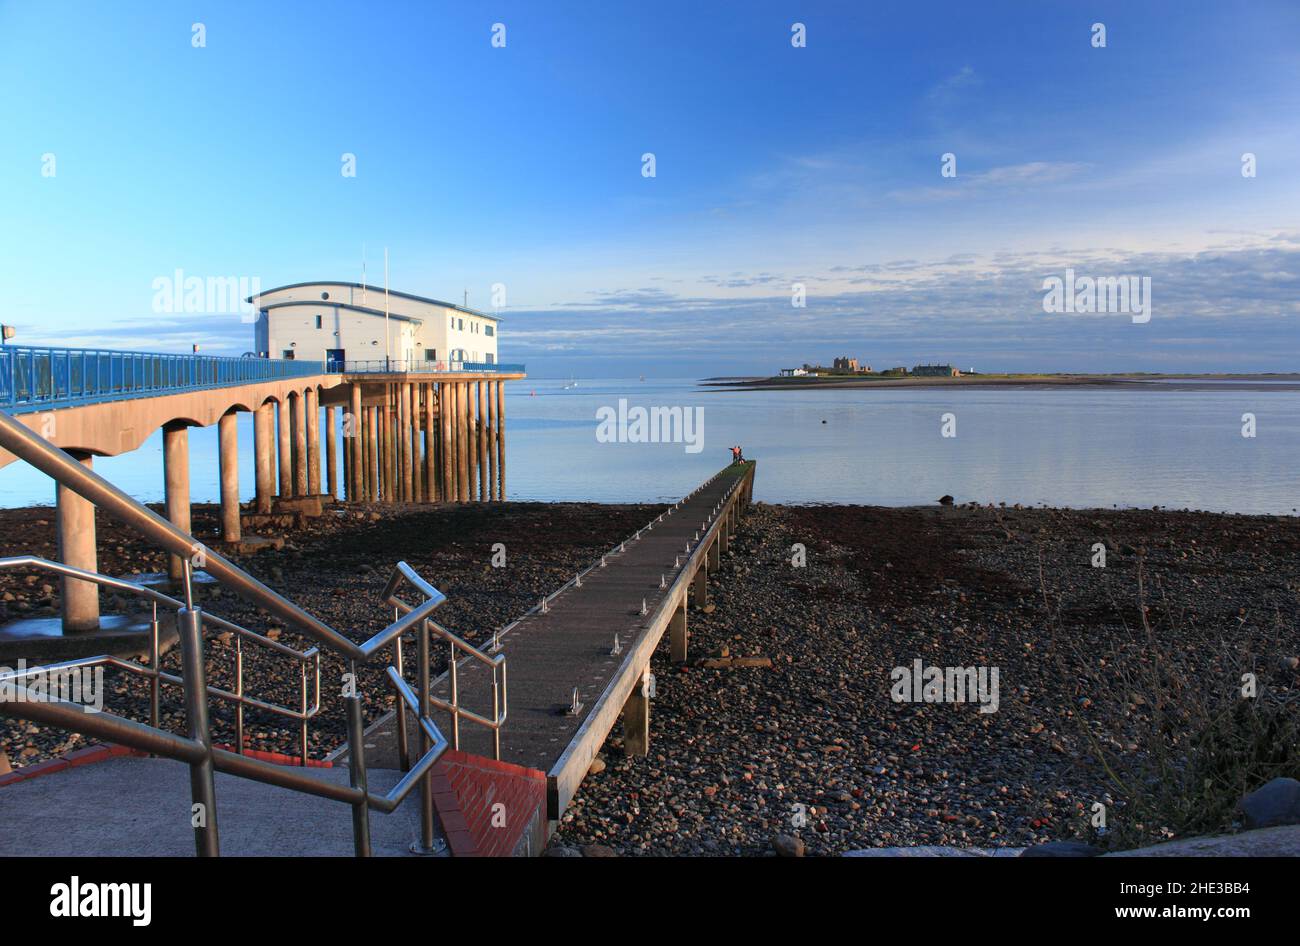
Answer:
(571, 644)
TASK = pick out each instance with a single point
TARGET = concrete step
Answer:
(140, 807)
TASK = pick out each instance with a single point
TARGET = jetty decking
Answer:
(570, 644)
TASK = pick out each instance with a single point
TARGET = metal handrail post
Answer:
(357, 773)
(202, 780)
(302, 707)
(155, 681)
(403, 739)
(427, 845)
(239, 692)
(455, 696)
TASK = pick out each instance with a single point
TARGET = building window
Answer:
(288, 354)
(319, 322)
(490, 358)
(431, 354)
(489, 330)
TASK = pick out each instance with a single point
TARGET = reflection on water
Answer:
(1074, 446)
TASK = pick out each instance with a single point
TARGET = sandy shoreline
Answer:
(738, 751)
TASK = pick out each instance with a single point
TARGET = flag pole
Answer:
(387, 338)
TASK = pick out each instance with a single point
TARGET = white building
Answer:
(345, 322)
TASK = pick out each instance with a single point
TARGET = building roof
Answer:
(328, 303)
(391, 292)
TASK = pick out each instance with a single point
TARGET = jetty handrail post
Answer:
(202, 778)
(357, 769)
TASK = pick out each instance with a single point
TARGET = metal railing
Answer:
(495, 663)
(308, 660)
(421, 366)
(683, 564)
(197, 748)
(37, 378)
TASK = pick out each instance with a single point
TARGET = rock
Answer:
(1275, 803)
(945, 500)
(560, 850)
(1061, 849)
(1290, 663)
(787, 845)
(1282, 841)
(598, 850)
(597, 766)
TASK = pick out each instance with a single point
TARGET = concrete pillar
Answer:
(448, 492)
(358, 455)
(677, 634)
(264, 454)
(331, 455)
(390, 446)
(462, 442)
(372, 453)
(299, 415)
(484, 485)
(228, 462)
(365, 480)
(75, 519)
(405, 445)
(417, 446)
(430, 449)
(385, 432)
(713, 555)
(700, 591)
(724, 533)
(311, 404)
(501, 440)
(349, 485)
(492, 439)
(471, 452)
(636, 718)
(284, 438)
(176, 482)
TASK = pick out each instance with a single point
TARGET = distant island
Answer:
(849, 373)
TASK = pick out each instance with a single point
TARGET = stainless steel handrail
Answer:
(49, 459)
(153, 672)
(497, 663)
(204, 758)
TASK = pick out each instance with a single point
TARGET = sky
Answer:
(141, 139)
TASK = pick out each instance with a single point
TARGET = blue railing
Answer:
(34, 378)
(420, 366)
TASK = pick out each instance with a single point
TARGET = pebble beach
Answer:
(781, 729)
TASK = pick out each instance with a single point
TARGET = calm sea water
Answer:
(1068, 446)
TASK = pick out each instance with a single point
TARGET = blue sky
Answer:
(774, 165)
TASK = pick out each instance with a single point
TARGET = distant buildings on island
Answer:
(851, 366)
